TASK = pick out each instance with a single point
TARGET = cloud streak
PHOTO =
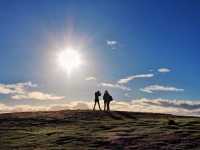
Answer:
(160, 88)
(129, 78)
(112, 43)
(36, 95)
(164, 70)
(117, 86)
(90, 78)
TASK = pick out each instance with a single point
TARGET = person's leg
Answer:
(99, 105)
(94, 105)
(104, 106)
(108, 105)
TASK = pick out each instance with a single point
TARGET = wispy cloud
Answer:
(112, 43)
(129, 78)
(117, 86)
(164, 70)
(22, 91)
(90, 78)
(160, 88)
(18, 88)
(176, 107)
(37, 95)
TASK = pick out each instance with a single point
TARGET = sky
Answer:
(137, 49)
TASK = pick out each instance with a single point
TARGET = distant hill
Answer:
(76, 129)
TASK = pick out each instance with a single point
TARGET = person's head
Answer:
(106, 92)
(98, 93)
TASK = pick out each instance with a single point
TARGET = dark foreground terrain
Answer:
(98, 130)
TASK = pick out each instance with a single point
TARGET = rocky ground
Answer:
(98, 130)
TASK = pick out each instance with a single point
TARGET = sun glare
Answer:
(69, 60)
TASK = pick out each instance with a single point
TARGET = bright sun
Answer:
(69, 60)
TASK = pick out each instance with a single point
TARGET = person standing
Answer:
(107, 99)
(96, 99)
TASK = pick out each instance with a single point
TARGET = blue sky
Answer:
(117, 39)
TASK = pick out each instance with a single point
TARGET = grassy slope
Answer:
(98, 130)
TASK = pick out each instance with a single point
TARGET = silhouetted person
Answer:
(97, 94)
(107, 99)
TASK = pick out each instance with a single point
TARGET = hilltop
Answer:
(78, 129)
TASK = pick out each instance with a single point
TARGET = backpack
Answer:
(110, 98)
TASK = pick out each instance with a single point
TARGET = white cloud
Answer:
(164, 70)
(112, 43)
(90, 78)
(177, 107)
(5, 90)
(22, 91)
(110, 85)
(157, 88)
(127, 79)
(18, 88)
(36, 95)
(119, 84)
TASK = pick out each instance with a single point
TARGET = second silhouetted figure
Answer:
(107, 99)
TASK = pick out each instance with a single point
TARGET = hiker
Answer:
(97, 94)
(107, 99)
